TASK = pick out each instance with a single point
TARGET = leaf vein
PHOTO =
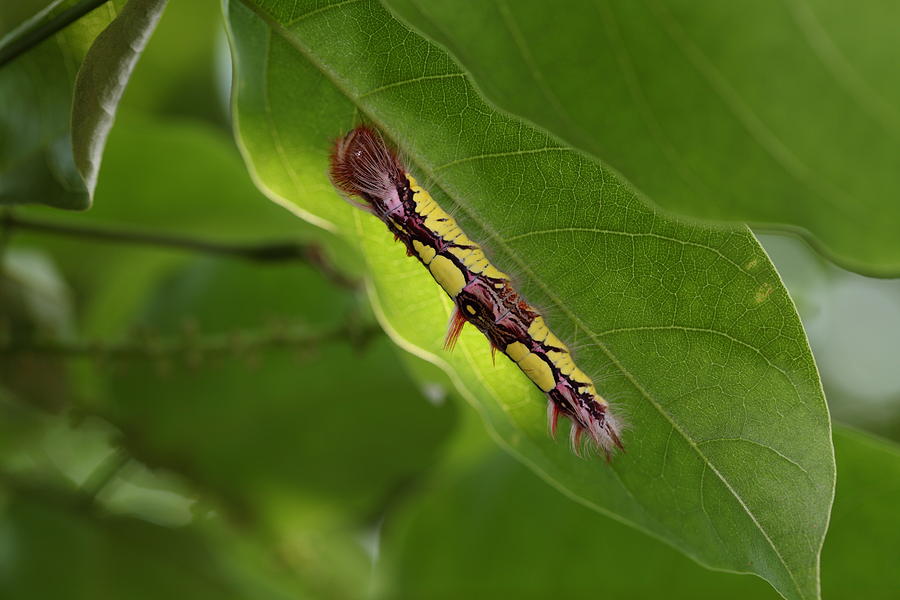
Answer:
(501, 154)
(630, 234)
(705, 330)
(755, 443)
(408, 81)
(321, 9)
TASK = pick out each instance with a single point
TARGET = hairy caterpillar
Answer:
(364, 168)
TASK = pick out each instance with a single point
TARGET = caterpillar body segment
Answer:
(365, 170)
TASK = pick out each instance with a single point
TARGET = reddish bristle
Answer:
(362, 164)
(457, 320)
(552, 417)
(575, 433)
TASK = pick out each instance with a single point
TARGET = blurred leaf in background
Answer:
(56, 546)
(101, 81)
(773, 113)
(95, 558)
(282, 350)
(54, 128)
(853, 324)
(178, 75)
(35, 303)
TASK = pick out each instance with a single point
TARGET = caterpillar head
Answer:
(363, 166)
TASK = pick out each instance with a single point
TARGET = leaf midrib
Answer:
(490, 232)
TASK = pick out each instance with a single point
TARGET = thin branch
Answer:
(5, 232)
(190, 347)
(36, 30)
(281, 251)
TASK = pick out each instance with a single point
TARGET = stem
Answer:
(5, 234)
(311, 254)
(213, 345)
(37, 29)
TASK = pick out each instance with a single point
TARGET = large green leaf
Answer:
(689, 329)
(776, 113)
(481, 512)
(53, 127)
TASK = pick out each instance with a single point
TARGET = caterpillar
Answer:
(371, 176)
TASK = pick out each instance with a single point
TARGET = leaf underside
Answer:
(688, 330)
(101, 82)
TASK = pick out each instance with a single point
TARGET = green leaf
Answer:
(60, 98)
(688, 329)
(478, 514)
(55, 546)
(199, 553)
(862, 544)
(101, 81)
(36, 160)
(853, 326)
(781, 114)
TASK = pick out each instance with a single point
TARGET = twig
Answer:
(280, 251)
(37, 30)
(212, 345)
(5, 232)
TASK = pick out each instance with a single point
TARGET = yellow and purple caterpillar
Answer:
(364, 168)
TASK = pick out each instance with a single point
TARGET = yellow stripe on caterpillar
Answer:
(448, 275)
(426, 253)
(561, 357)
(532, 365)
(473, 257)
(446, 227)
